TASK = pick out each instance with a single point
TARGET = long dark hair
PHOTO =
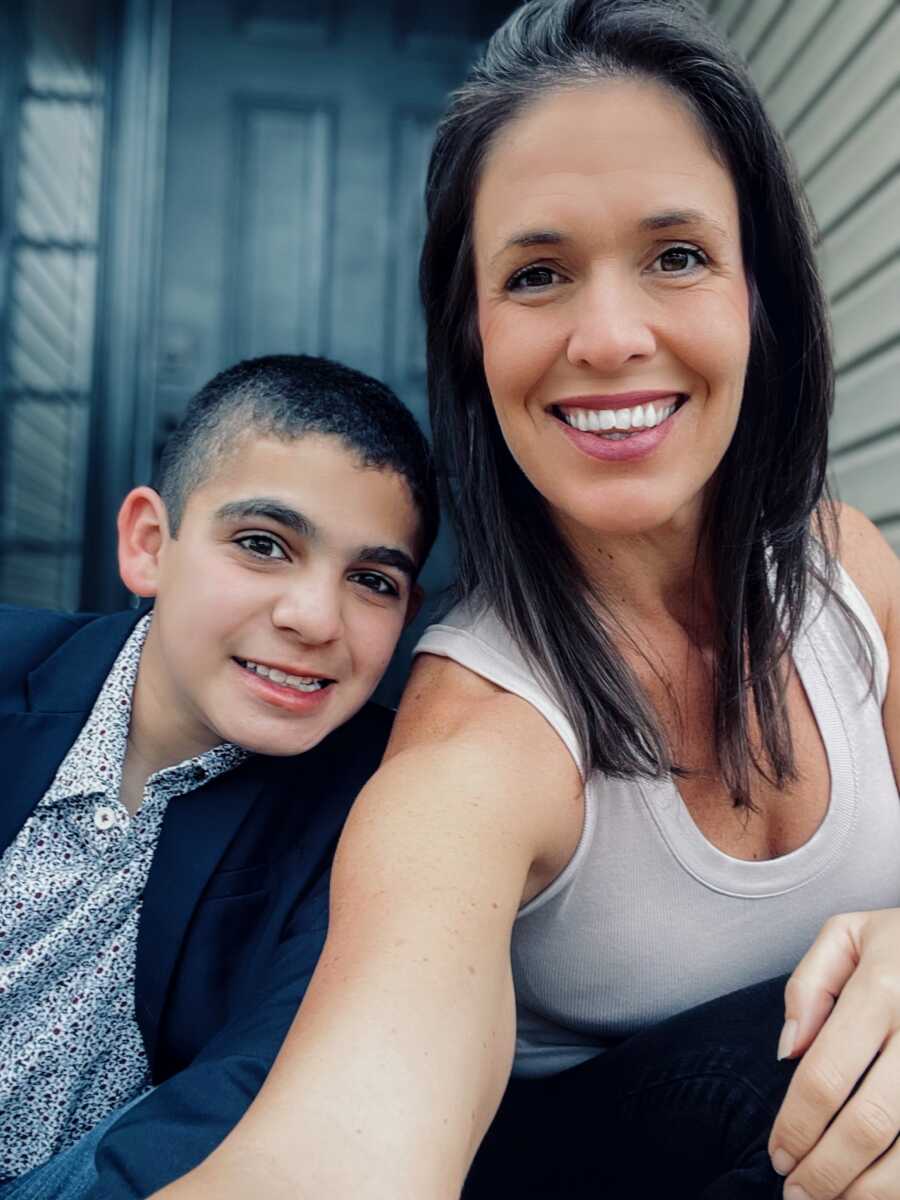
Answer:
(769, 496)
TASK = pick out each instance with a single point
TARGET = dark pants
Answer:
(683, 1109)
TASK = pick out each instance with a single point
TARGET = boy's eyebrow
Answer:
(272, 510)
(388, 556)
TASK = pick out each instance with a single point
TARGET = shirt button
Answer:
(104, 817)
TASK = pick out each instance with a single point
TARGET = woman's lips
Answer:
(620, 440)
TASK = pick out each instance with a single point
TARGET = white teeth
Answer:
(620, 420)
(299, 682)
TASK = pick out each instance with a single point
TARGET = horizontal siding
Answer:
(829, 71)
(857, 166)
(795, 24)
(865, 321)
(866, 401)
(867, 80)
(868, 478)
(833, 45)
(864, 242)
(753, 23)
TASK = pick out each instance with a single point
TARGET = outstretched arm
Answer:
(401, 1050)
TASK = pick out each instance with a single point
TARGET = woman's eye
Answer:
(679, 260)
(261, 544)
(375, 582)
(531, 279)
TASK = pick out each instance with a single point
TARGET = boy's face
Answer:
(280, 603)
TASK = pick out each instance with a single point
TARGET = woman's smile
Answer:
(620, 428)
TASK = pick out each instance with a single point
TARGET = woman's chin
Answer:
(631, 517)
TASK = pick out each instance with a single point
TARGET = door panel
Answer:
(278, 296)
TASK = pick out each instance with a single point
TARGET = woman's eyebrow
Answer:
(531, 237)
(271, 510)
(669, 219)
(681, 216)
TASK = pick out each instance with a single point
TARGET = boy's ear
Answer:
(416, 596)
(143, 527)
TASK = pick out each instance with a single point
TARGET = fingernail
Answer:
(786, 1041)
(784, 1164)
(794, 1191)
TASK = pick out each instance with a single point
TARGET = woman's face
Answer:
(612, 304)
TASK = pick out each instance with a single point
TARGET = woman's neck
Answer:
(652, 579)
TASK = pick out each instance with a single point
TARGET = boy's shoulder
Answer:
(30, 636)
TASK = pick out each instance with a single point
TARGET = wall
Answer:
(829, 72)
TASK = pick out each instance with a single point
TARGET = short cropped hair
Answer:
(287, 396)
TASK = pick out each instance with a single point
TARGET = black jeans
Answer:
(683, 1109)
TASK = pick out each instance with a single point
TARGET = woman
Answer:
(649, 755)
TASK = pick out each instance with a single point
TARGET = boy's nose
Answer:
(311, 610)
(611, 326)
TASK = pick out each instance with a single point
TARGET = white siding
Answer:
(829, 72)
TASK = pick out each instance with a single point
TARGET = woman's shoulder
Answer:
(470, 662)
(474, 620)
(872, 565)
(445, 701)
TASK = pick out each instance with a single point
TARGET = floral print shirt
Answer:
(70, 896)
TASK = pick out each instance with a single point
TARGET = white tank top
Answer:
(648, 918)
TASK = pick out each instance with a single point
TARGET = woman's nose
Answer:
(611, 326)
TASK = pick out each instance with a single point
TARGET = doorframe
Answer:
(12, 75)
(125, 348)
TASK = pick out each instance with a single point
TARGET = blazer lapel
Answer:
(196, 832)
(32, 745)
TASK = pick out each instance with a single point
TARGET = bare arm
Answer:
(401, 1050)
(875, 569)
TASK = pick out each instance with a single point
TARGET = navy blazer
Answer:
(235, 909)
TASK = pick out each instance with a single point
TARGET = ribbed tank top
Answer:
(648, 918)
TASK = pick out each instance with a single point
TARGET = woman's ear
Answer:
(143, 527)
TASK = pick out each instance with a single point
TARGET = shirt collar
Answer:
(94, 762)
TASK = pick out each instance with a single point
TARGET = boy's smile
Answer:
(280, 602)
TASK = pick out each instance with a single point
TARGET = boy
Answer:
(165, 850)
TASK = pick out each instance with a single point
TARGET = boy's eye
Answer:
(375, 582)
(263, 545)
(680, 260)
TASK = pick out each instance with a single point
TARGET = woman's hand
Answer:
(842, 1009)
